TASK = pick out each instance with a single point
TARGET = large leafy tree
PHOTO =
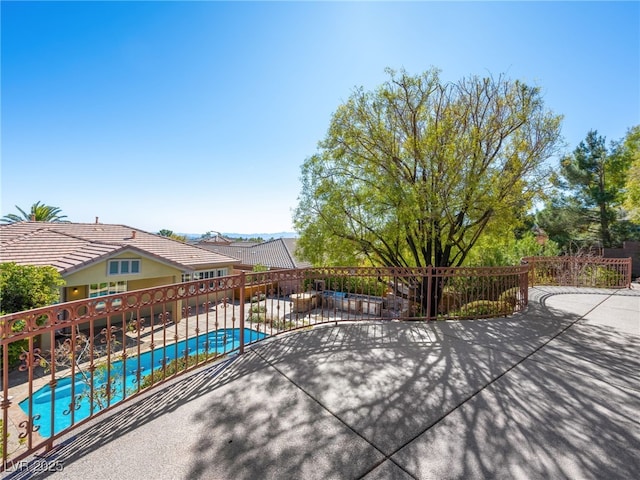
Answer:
(23, 287)
(411, 174)
(509, 250)
(630, 148)
(562, 219)
(39, 212)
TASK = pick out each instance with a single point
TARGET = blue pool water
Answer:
(220, 341)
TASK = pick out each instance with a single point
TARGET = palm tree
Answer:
(39, 213)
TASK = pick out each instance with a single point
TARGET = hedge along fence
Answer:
(580, 271)
(422, 293)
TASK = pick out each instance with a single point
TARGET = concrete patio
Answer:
(553, 392)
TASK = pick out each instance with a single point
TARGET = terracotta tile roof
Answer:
(278, 253)
(217, 239)
(70, 246)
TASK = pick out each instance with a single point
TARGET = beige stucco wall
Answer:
(149, 269)
(152, 274)
(142, 283)
(76, 292)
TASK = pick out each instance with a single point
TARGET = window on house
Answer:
(107, 288)
(204, 274)
(124, 267)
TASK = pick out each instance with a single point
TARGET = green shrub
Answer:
(485, 308)
(16, 348)
(257, 318)
(257, 314)
(510, 297)
(175, 366)
(23, 287)
(449, 300)
(599, 276)
(282, 324)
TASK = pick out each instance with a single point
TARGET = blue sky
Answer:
(196, 116)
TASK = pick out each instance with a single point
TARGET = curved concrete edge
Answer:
(547, 393)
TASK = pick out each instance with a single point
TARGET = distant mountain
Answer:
(265, 236)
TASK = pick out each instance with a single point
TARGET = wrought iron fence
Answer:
(579, 271)
(67, 363)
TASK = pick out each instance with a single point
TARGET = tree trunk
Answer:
(431, 289)
(605, 233)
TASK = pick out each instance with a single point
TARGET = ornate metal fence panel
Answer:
(62, 365)
(581, 271)
(65, 364)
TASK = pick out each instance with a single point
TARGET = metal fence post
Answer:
(532, 270)
(524, 284)
(243, 283)
(628, 266)
(429, 289)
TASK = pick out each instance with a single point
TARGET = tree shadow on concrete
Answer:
(415, 399)
(561, 413)
(383, 384)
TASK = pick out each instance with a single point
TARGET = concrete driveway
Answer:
(553, 392)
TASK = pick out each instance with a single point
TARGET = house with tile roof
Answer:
(98, 259)
(274, 254)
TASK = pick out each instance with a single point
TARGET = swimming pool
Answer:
(220, 341)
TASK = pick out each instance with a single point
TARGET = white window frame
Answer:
(103, 289)
(120, 262)
(204, 274)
